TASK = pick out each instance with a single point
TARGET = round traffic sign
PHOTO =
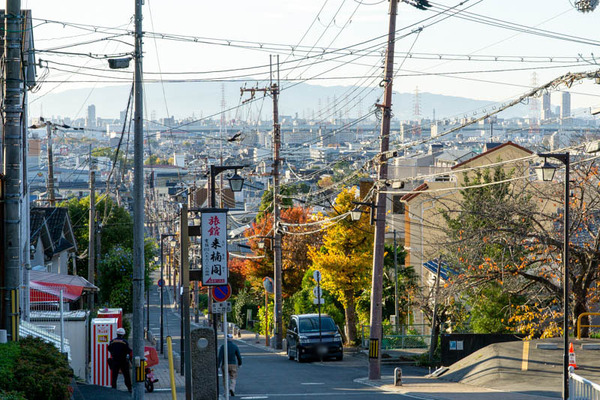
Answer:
(161, 282)
(221, 293)
(317, 275)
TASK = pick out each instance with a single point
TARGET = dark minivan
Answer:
(304, 341)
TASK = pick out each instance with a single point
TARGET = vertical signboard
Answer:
(214, 247)
(103, 331)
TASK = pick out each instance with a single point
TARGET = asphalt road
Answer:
(266, 375)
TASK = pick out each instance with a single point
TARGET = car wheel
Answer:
(298, 358)
(289, 353)
(339, 358)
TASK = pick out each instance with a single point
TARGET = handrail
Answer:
(579, 326)
(581, 388)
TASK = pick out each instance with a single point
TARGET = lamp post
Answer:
(236, 183)
(162, 284)
(357, 212)
(546, 173)
(586, 5)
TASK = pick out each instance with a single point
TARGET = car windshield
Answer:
(308, 325)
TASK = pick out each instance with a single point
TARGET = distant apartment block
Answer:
(91, 116)
(565, 106)
(546, 106)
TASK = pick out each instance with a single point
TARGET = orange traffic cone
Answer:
(572, 360)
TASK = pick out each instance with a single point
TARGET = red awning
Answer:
(44, 292)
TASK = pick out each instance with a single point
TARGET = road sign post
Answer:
(317, 276)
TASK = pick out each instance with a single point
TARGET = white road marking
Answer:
(326, 394)
(313, 383)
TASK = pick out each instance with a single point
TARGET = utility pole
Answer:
(185, 301)
(12, 146)
(396, 305)
(379, 242)
(91, 231)
(433, 341)
(138, 206)
(51, 197)
(273, 89)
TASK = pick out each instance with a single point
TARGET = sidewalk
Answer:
(434, 389)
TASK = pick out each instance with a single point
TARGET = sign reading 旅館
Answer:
(214, 247)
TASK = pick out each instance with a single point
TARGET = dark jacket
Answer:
(233, 352)
(119, 349)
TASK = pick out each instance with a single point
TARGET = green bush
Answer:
(33, 369)
(116, 275)
(9, 353)
(12, 395)
(244, 301)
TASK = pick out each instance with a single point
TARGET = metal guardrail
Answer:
(581, 388)
(29, 329)
(402, 341)
(579, 326)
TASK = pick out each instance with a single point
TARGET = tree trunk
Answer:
(350, 314)
(579, 307)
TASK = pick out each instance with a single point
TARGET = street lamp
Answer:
(235, 182)
(546, 173)
(586, 5)
(356, 213)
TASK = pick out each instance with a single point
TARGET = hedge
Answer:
(33, 369)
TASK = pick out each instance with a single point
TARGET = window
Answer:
(397, 205)
(308, 325)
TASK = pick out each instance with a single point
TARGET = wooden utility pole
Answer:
(92, 232)
(138, 205)
(379, 243)
(273, 89)
(12, 159)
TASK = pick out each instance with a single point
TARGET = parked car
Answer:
(305, 341)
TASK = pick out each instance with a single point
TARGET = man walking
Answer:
(233, 355)
(121, 353)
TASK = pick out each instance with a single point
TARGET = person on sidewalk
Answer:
(120, 353)
(233, 355)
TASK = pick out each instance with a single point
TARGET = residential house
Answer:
(52, 239)
(424, 223)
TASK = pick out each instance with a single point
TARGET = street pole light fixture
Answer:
(356, 213)
(586, 5)
(546, 173)
(236, 182)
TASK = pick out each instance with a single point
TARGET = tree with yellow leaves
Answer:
(345, 258)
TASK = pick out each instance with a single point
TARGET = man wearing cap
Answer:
(233, 355)
(120, 355)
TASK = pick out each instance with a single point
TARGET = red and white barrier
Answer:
(103, 331)
(112, 313)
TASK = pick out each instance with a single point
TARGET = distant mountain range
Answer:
(204, 99)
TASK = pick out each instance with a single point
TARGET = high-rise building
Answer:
(546, 106)
(91, 116)
(565, 106)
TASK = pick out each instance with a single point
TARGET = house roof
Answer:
(199, 197)
(39, 229)
(59, 226)
(490, 151)
(421, 188)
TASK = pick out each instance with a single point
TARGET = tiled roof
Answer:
(491, 151)
(56, 219)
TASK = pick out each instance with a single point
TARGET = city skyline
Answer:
(215, 38)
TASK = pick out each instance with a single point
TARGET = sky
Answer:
(462, 52)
